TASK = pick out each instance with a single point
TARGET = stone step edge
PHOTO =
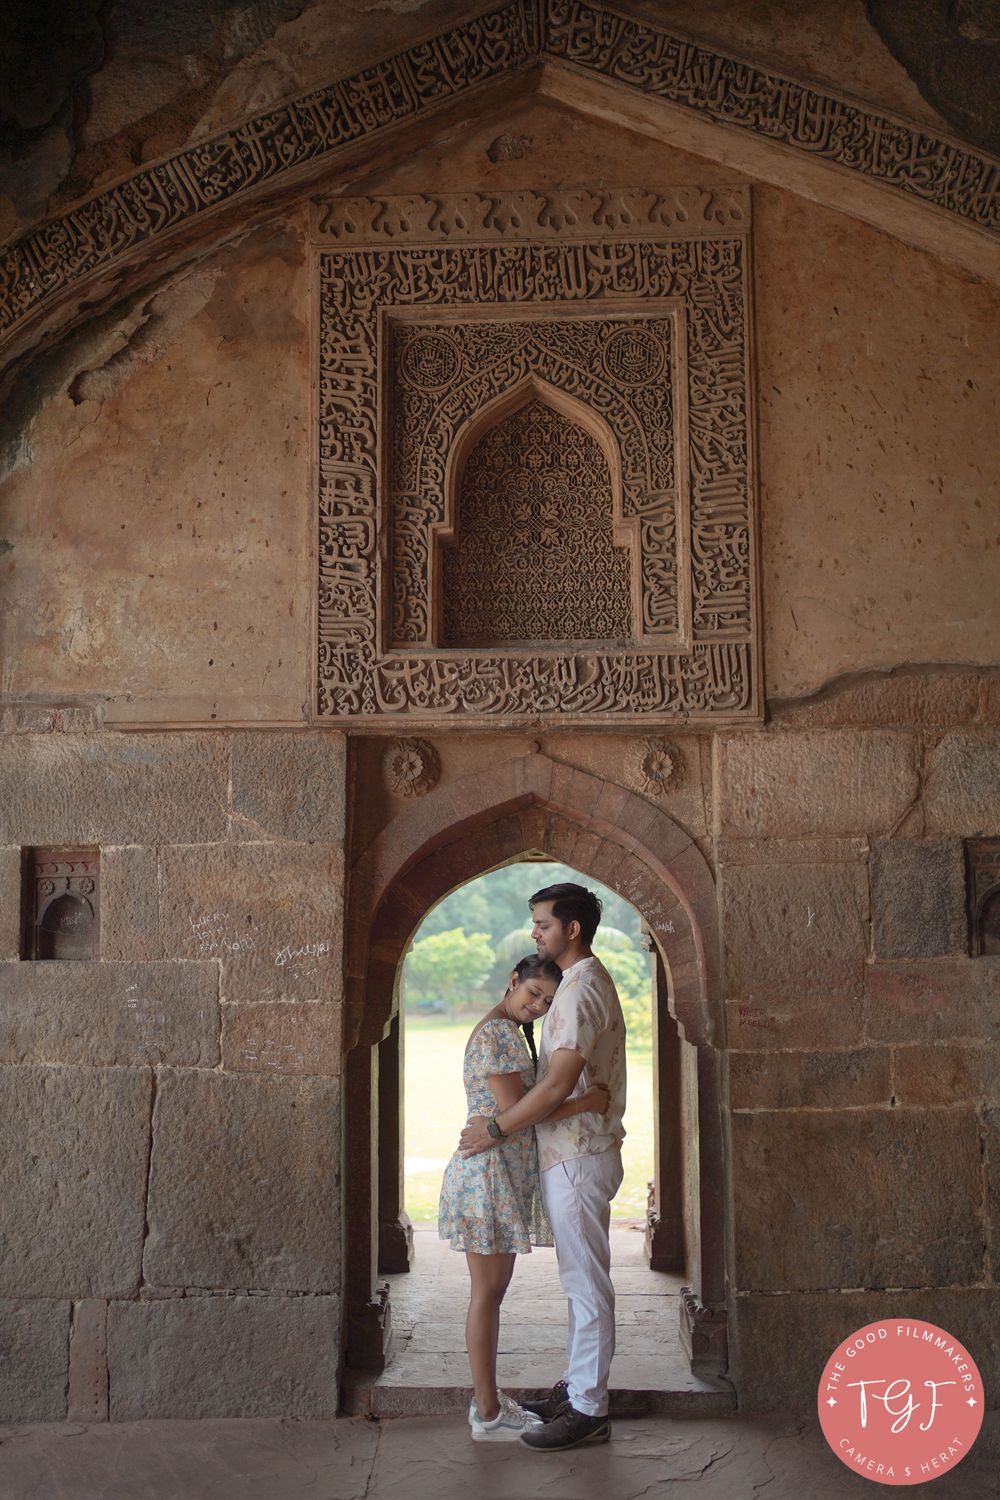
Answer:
(362, 1396)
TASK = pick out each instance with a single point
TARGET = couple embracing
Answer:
(539, 1163)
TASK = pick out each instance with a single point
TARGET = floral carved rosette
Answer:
(411, 767)
(659, 766)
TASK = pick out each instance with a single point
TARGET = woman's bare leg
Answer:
(490, 1276)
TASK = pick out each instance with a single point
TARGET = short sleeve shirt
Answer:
(585, 1016)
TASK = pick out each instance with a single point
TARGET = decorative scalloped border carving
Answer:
(157, 201)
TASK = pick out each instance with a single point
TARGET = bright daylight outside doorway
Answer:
(457, 968)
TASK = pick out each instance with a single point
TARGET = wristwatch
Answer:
(494, 1129)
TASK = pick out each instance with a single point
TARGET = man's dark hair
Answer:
(572, 903)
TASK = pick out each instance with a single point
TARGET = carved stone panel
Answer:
(446, 326)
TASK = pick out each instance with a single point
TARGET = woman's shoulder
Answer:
(492, 1035)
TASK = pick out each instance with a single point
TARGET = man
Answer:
(583, 1042)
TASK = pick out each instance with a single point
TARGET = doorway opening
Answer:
(456, 969)
(531, 809)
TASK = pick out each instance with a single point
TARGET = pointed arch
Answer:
(459, 831)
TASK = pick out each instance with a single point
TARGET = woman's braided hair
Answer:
(533, 967)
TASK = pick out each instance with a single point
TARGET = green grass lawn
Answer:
(435, 1113)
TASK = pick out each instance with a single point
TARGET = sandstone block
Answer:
(293, 1038)
(863, 1197)
(110, 1014)
(289, 786)
(809, 1022)
(794, 931)
(782, 1343)
(10, 903)
(918, 898)
(944, 698)
(838, 781)
(991, 1162)
(818, 851)
(245, 1183)
(938, 999)
(76, 1142)
(271, 913)
(109, 788)
(814, 1080)
(946, 1073)
(224, 1357)
(962, 791)
(130, 905)
(34, 1361)
(88, 1362)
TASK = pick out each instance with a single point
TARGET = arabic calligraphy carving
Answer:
(254, 157)
(522, 316)
(551, 356)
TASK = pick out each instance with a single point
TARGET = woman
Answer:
(491, 1203)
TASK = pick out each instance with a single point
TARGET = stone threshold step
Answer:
(363, 1396)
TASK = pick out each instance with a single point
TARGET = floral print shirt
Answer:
(585, 1016)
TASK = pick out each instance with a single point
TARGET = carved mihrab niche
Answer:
(536, 479)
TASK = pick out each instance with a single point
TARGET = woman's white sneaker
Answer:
(507, 1425)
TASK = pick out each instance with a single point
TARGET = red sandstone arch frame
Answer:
(460, 831)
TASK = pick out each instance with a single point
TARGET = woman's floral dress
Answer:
(491, 1203)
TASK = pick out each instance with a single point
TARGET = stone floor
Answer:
(687, 1452)
(696, 1457)
(429, 1370)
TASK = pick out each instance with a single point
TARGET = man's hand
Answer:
(475, 1137)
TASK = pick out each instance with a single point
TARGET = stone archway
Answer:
(531, 804)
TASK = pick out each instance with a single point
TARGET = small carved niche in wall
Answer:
(983, 864)
(60, 903)
(533, 556)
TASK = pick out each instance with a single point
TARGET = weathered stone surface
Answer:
(918, 898)
(814, 1021)
(34, 1360)
(130, 905)
(946, 1073)
(918, 698)
(70, 789)
(105, 1014)
(900, 1203)
(272, 913)
(962, 791)
(289, 786)
(76, 1143)
(838, 781)
(245, 1183)
(794, 931)
(10, 903)
(88, 1361)
(815, 851)
(224, 1357)
(782, 1343)
(942, 999)
(991, 1164)
(293, 1038)
(49, 718)
(815, 1080)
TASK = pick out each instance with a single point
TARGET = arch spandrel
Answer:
(462, 829)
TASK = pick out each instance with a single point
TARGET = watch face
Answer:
(494, 1129)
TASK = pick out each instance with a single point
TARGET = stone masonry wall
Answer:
(862, 1037)
(171, 1114)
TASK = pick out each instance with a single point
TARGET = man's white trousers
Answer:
(577, 1196)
